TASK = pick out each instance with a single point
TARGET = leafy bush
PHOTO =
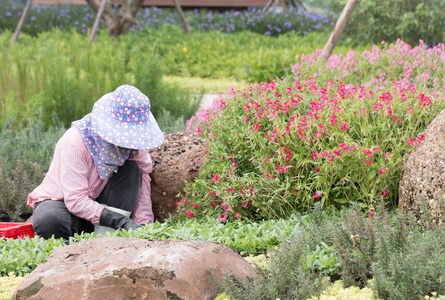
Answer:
(372, 22)
(383, 248)
(23, 161)
(378, 67)
(281, 147)
(323, 259)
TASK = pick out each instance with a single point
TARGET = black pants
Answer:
(52, 218)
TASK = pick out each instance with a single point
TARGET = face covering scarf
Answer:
(107, 157)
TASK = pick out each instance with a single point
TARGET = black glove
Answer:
(115, 220)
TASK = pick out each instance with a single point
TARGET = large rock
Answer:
(178, 159)
(423, 172)
(128, 268)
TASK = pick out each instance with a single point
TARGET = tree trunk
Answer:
(338, 29)
(121, 22)
(181, 15)
(21, 21)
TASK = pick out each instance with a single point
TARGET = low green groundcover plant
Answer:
(8, 286)
(21, 256)
(280, 147)
(380, 246)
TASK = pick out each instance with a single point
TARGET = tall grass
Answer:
(61, 72)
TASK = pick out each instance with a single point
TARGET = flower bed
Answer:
(331, 133)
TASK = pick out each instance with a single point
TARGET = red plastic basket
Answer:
(16, 230)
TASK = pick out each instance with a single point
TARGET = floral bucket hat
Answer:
(123, 118)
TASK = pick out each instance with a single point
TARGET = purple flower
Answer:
(8, 14)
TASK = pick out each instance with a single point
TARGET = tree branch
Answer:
(338, 29)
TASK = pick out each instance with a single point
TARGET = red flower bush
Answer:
(294, 142)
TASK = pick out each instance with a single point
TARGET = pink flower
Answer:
(371, 213)
(368, 162)
(189, 213)
(385, 193)
(334, 119)
(222, 218)
(288, 155)
(225, 206)
(237, 215)
(198, 130)
(317, 195)
(314, 156)
(344, 127)
(195, 205)
(216, 179)
(381, 171)
(213, 203)
(387, 155)
(185, 200)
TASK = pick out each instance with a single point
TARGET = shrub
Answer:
(286, 277)
(372, 22)
(281, 147)
(379, 67)
(403, 261)
(23, 161)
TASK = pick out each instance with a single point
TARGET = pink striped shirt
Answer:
(72, 177)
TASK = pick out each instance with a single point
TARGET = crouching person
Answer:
(99, 175)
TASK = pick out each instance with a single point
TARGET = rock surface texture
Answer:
(423, 172)
(128, 268)
(177, 160)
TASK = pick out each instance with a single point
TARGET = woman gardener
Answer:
(99, 175)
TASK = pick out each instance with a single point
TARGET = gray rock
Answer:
(176, 161)
(423, 172)
(128, 268)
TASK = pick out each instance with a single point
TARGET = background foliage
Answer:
(389, 20)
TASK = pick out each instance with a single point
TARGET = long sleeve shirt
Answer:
(72, 177)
